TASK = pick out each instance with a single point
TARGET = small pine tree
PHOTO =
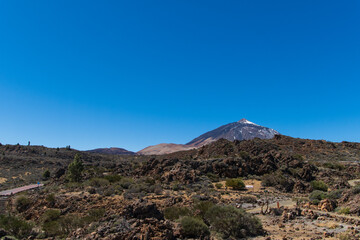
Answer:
(46, 175)
(75, 169)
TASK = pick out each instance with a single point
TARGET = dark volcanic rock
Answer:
(143, 209)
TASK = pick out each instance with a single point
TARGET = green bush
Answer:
(173, 213)
(62, 226)
(94, 214)
(219, 185)
(213, 177)
(126, 182)
(75, 169)
(193, 227)
(97, 182)
(235, 183)
(15, 226)
(50, 198)
(277, 180)
(113, 178)
(200, 208)
(319, 185)
(344, 210)
(51, 215)
(317, 195)
(334, 165)
(336, 194)
(22, 203)
(231, 222)
(53, 228)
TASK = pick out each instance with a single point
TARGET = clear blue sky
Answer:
(136, 73)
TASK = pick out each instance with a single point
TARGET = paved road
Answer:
(20, 189)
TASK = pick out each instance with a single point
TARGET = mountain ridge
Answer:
(240, 130)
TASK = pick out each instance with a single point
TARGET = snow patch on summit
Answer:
(246, 122)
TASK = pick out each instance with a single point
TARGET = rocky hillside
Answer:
(112, 151)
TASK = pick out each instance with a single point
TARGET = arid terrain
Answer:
(280, 188)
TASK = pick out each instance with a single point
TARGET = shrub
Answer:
(173, 213)
(231, 222)
(201, 207)
(22, 203)
(319, 185)
(277, 180)
(336, 194)
(317, 195)
(97, 182)
(176, 186)
(113, 178)
(94, 214)
(53, 228)
(193, 228)
(213, 177)
(126, 182)
(334, 165)
(46, 175)
(218, 185)
(75, 169)
(15, 226)
(355, 189)
(51, 215)
(50, 198)
(344, 210)
(235, 183)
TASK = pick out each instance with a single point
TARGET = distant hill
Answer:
(164, 148)
(112, 151)
(240, 130)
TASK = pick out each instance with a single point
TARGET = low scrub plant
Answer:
(319, 185)
(22, 203)
(231, 222)
(113, 178)
(173, 213)
(235, 183)
(343, 210)
(192, 227)
(317, 195)
(15, 226)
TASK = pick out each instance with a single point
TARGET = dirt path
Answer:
(290, 203)
(284, 203)
(20, 189)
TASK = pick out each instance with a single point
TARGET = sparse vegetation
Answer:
(235, 183)
(317, 195)
(15, 226)
(319, 185)
(194, 227)
(22, 203)
(231, 222)
(343, 210)
(173, 213)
